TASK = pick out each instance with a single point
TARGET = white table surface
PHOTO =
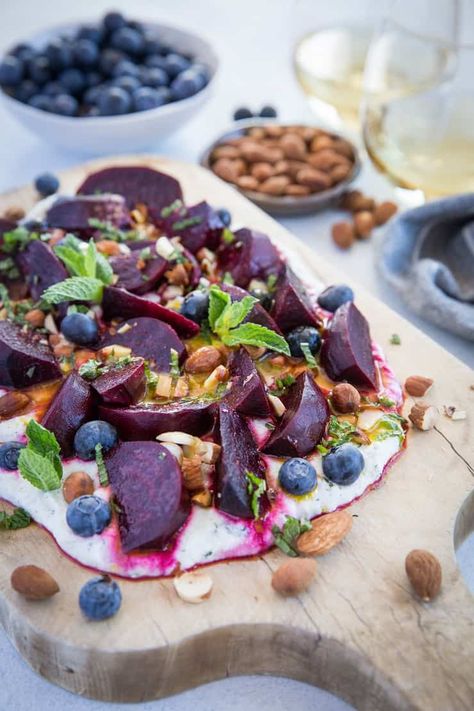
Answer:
(253, 40)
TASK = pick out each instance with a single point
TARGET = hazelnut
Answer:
(345, 398)
(343, 234)
(203, 360)
(363, 223)
(77, 484)
(294, 576)
(384, 211)
(35, 317)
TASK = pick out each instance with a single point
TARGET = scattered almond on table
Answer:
(294, 576)
(366, 215)
(193, 587)
(33, 582)
(423, 416)
(418, 385)
(424, 573)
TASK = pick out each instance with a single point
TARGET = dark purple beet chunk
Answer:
(40, 267)
(292, 305)
(195, 274)
(71, 407)
(137, 184)
(258, 313)
(347, 350)
(250, 256)
(205, 233)
(122, 386)
(73, 214)
(147, 421)
(303, 424)
(247, 394)
(146, 481)
(150, 339)
(23, 360)
(139, 281)
(118, 302)
(238, 455)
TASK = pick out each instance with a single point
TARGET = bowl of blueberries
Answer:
(107, 86)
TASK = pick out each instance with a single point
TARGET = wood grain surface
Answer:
(358, 632)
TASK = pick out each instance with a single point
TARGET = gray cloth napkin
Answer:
(428, 256)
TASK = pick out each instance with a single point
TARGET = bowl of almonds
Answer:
(285, 169)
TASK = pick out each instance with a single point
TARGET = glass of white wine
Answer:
(418, 103)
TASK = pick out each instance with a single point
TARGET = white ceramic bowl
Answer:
(128, 133)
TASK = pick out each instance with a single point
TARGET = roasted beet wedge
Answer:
(134, 279)
(71, 407)
(146, 421)
(292, 306)
(303, 424)
(137, 184)
(74, 214)
(121, 303)
(247, 394)
(23, 360)
(198, 226)
(258, 313)
(40, 267)
(347, 350)
(153, 504)
(250, 256)
(122, 386)
(238, 456)
(150, 339)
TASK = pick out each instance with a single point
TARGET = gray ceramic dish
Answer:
(284, 205)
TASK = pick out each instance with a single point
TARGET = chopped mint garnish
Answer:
(8, 269)
(227, 236)
(227, 278)
(174, 363)
(186, 222)
(395, 339)
(176, 206)
(146, 254)
(111, 232)
(91, 369)
(271, 282)
(86, 262)
(390, 425)
(17, 239)
(270, 426)
(101, 468)
(16, 310)
(339, 432)
(282, 384)
(151, 377)
(225, 317)
(386, 401)
(285, 537)
(256, 487)
(18, 519)
(309, 357)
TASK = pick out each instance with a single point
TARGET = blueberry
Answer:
(91, 96)
(268, 112)
(343, 464)
(185, 85)
(201, 73)
(334, 296)
(242, 113)
(11, 71)
(156, 60)
(263, 297)
(303, 334)
(92, 78)
(64, 104)
(60, 55)
(147, 98)
(152, 43)
(128, 83)
(88, 515)
(225, 216)
(127, 40)
(42, 102)
(85, 52)
(195, 306)
(175, 64)
(53, 88)
(23, 51)
(113, 21)
(297, 476)
(93, 33)
(125, 68)
(114, 101)
(80, 328)
(154, 76)
(39, 69)
(91, 434)
(25, 90)
(9, 453)
(46, 184)
(108, 60)
(100, 598)
(72, 80)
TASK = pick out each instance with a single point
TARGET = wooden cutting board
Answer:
(358, 632)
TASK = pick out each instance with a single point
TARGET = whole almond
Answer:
(203, 360)
(424, 573)
(417, 385)
(282, 167)
(384, 211)
(295, 190)
(257, 132)
(225, 169)
(293, 146)
(247, 182)
(343, 234)
(345, 398)
(77, 484)
(33, 583)
(327, 159)
(326, 532)
(35, 317)
(12, 403)
(343, 147)
(225, 152)
(262, 171)
(340, 172)
(363, 223)
(321, 142)
(275, 185)
(355, 201)
(294, 576)
(315, 179)
(274, 131)
(14, 213)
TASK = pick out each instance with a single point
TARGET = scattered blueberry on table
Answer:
(334, 296)
(92, 433)
(125, 63)
(47, 184)
(343, 464)
(297, 476)
(88, 515)
(100, 598)
(9, 453)
(245, 113)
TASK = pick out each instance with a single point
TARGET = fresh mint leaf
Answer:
(101, 468)
(286, 536)
(218, 301)
(90, 259)
(256, 487)
(395, 339)
(234, 314)
(19, 518)
(252, 334)
(103, 270)
(309, 357)
(38, 470)
(72, 260)
(41, 440)
(75, 289)
(17, 239)
(82, 262)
